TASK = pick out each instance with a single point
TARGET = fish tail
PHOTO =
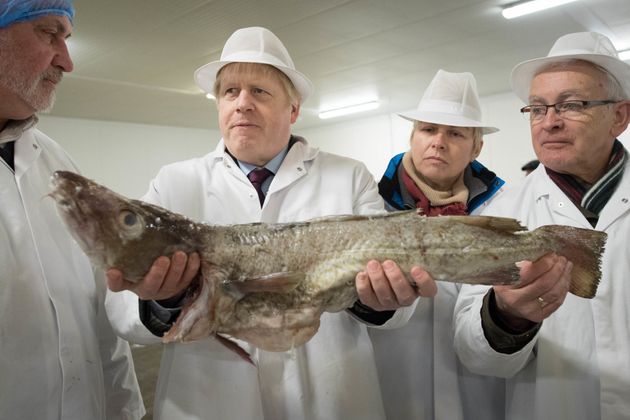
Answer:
(584, 248)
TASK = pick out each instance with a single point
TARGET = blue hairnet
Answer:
(12, 11)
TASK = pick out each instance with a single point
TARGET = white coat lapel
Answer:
(293, 167)
(562, 207)
(27, 150)
(619, 203)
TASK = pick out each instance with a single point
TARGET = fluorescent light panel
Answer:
(531, 7)
(351, 109)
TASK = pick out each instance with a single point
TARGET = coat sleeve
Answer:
(366, 197)
(123, 310)
(122, 393)
(400, 317)
(471, 345)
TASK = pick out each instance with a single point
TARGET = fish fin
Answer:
(584, 248)
(497, 224)
(283, 282)
(289, 332)
(338, 218)
(509, 274)
(234, 347)
(196, 320)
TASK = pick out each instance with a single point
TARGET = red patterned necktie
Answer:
(257, 177)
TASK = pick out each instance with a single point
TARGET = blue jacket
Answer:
(480, 181)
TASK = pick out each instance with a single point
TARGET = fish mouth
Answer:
(65, 186)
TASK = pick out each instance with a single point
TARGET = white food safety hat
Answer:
(254, 45)
(588, 46)
(451, 99)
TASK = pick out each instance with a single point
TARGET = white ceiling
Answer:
(134, 59)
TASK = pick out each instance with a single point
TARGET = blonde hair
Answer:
(265, 70)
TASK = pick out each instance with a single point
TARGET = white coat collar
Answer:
(618, 204)
(27, 150)
(557, 200)
(307, 152)
(296, 164)
(14, 129)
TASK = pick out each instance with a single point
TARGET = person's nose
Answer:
(245, 101)
(552, 120)
(62, 57)
(439, 140)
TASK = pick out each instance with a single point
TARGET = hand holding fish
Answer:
(541, 291)
(166, 277)
(384, 287)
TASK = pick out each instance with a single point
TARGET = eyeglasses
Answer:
(567, 109)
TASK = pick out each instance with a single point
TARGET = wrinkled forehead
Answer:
(566, 78)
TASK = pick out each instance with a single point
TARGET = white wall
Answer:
(125, 157)
(374, 140)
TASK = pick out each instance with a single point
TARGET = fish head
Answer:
(118, 232)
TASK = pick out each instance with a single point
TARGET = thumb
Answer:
(114, 280)
(525, 273)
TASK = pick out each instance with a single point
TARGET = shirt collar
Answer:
(273, 165)
(14, 129)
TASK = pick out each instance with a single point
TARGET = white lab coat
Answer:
(333, 376)
(59, 357)
(578, 365)
(421, 376)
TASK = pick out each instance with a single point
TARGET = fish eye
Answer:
(128, 218)
(131, 224)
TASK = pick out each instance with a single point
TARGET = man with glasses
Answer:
(565, 357)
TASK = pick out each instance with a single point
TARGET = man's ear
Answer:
(295, 112)
(621, 118)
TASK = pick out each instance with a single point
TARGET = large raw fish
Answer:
(268, 284)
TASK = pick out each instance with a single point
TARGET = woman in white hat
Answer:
(420, 375)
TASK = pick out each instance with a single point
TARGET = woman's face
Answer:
(440, 153)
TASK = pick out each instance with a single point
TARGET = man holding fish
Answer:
(59, 357)
(576, 363)
(333, 376)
